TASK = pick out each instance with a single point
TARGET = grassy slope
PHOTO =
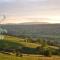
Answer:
(14, 41)
(20, 41)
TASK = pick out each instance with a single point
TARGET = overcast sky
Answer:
(31, 8)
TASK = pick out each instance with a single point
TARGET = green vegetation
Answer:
(26, 48)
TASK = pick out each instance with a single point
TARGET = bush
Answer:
(48, 53)
(44, 51)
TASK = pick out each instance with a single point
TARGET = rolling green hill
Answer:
(13, 41)
(47, 31)
(16, 42)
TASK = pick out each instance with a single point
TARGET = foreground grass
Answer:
(27, 57)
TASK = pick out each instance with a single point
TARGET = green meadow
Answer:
(16, 42)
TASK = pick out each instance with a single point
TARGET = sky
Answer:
(22, 9)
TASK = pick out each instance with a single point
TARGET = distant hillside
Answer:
(33, 30)
(32, 23)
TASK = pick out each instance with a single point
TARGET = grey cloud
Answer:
(54, 3)
(8, 1)
(29, 7)
(24, 5)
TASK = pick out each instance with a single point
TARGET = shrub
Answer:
(48, 53)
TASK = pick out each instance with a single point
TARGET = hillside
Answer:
(46, 31)
(16, 42)
(34, 30)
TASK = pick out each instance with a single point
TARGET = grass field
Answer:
(20, 41)
(11, 41)
(27, 57)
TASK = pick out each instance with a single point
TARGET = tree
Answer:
(48, 52)
(40, 41)
(44, 49)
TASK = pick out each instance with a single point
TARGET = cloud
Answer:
(30, 7)
(54, 3)
(35, 0)
(7, 1)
